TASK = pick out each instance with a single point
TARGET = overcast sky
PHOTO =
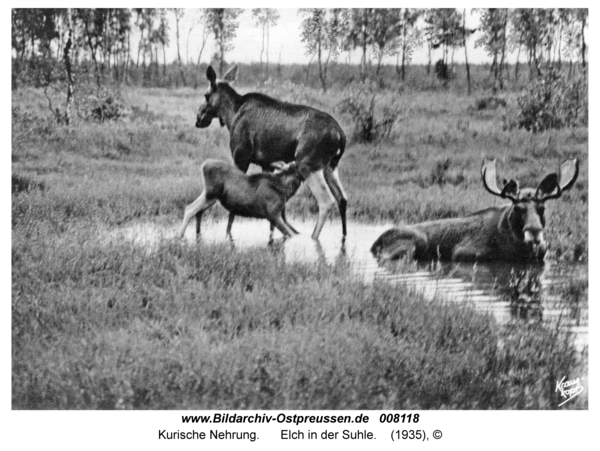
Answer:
(284, 41)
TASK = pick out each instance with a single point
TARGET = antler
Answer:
(488, 174)
(569, 171)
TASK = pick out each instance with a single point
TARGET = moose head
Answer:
(217, 98)
(525, 216)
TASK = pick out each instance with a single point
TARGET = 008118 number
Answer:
(397, 418)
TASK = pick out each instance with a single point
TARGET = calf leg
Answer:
(332, 177)
(271, 230)
(318, 186)
(287, 223)
(195, 209)
(277, 221)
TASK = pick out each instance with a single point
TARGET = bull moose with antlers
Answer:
(513, 232)
(264, 130)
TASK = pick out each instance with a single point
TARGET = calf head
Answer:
(215, 97)
(289, 174)
(526, 215)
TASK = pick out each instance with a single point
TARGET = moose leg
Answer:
(198, 221)
(318, 186)
(229, 224)
(471, 253)
(195, 209)
(396, 243)
(333, 182)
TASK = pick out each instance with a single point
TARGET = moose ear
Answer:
(211, 75)
(511, 189)
(548, 186)
(231, 75)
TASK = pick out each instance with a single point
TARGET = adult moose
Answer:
(513, 232)
(264, 130)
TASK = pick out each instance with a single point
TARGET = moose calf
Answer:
(254, 196)
(514, 232)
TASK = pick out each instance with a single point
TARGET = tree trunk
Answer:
(182, 75)
(429, 58)
(403, 71)
(200, 55)
(222, 58)
(164, 64)
(517, 64)
(583, 47)
(262, 49)
(320, 66)
(465, 46)
(187, 46)
(92, 52)
(308, 68)
(502, 55)
(560, 47)
(267, 50)
(137, 64)
(69, 71)
(379, 60)
(126, 73)
(403, 67)
(363, 61)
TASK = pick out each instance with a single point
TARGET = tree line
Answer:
(129, 45)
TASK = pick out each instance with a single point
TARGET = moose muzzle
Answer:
(534, 238)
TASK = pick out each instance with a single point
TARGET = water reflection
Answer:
(545, 294)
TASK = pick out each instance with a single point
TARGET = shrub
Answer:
(108, 108)
(20, 184)
(552, 101)
(489, 103)
(441, 70)
(367, 128)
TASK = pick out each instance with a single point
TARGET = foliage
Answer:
(492, 25)
(367, 128)
(223, 22)
(444, 29)
(108, 108)
(103, 40)
(489, 103)
(360, 35)
(265, 18)
(21, 184)
(322, 32)
(386, 25)
(553, 102)
(409, 39)
(442, 71)
(494, 39)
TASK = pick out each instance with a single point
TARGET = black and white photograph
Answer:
(283, 212)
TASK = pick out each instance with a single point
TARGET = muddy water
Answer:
(549, 294)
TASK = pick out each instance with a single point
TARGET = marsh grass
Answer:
(99, 326)
(110, 325)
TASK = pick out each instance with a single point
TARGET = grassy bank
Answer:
(113, 326)
(109, 325)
